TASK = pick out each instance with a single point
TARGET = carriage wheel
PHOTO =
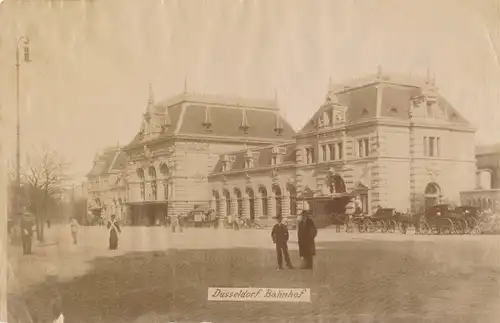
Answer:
(448, 228)
(392, 226)
(384, 226)
(403, 227)
(425, 227)
(464, 226)
(369, 226)
(471, 225)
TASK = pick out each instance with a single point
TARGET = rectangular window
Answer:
(273, 160)
(426, 147)
(363, 147)
(438, 147)
(367, 147)
(339, 151)
(431, 146)
(332, 151)
(313, 157)
(324, 151)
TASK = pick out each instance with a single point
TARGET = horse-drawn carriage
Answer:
(471, 215)
(441, 218)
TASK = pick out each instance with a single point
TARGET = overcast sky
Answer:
(87, 84)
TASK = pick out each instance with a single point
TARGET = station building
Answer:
(388, 140)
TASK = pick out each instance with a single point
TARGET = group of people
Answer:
(306, 233)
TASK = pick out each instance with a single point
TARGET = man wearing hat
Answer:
(280, 238)
(306, 233)
(27, 231)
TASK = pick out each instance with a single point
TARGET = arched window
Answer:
(140, 174)
(152, 176)
(277, 197)
(227, 196)
(263, 196)
(239, 202)
(251, 201)
(293, 199)
(432, 194)
(336, 184)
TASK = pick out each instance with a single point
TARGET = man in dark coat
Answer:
(306, 233)
(27, 232)
(279, 235)
(114, 230)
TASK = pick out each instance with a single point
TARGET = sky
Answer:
(92, 61)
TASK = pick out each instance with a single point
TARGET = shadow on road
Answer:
(389, 281)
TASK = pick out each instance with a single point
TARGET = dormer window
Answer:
(227, 163)
(250, 158)
(277, 155)
(207, 123)
(278, 128)
(248, 163)
(244, 122)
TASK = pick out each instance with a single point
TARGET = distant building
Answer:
(179, 144)
(387, 140)
(106, 187)
(486, 194)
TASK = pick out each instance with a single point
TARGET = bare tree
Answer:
(45, 179)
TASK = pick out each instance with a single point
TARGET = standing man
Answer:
(74, 225)
(279, 235)
(27, 231)
(306, 233)
(114, 230)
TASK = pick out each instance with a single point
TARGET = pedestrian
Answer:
(27, 232)
(174, 222)
(74, 225)
(114, 230)
(279, 234)
(181, 221)
(306, 233)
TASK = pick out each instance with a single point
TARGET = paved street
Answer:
(160, 276)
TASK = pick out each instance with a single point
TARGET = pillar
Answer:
(344, 144)
(222, 210)
(285, 206)
(271, 207)
(258, 206)
(233, 206)
(246, 207)
(328, 154)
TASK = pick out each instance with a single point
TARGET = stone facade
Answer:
(179, 145)
(486, 194)
(388, 140)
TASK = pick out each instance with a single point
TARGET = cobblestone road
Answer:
(157, 275)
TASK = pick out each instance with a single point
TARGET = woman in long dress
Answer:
(114, 230)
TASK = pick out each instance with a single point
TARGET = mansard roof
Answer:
(264, 157)
(112, 159)
(188, 116)
(395, 96)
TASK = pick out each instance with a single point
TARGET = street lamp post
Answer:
(18, 124)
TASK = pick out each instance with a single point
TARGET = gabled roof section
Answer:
(112, 159)
(395, 94)
(263, 160)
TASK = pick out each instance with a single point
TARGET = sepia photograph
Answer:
(249, 161)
